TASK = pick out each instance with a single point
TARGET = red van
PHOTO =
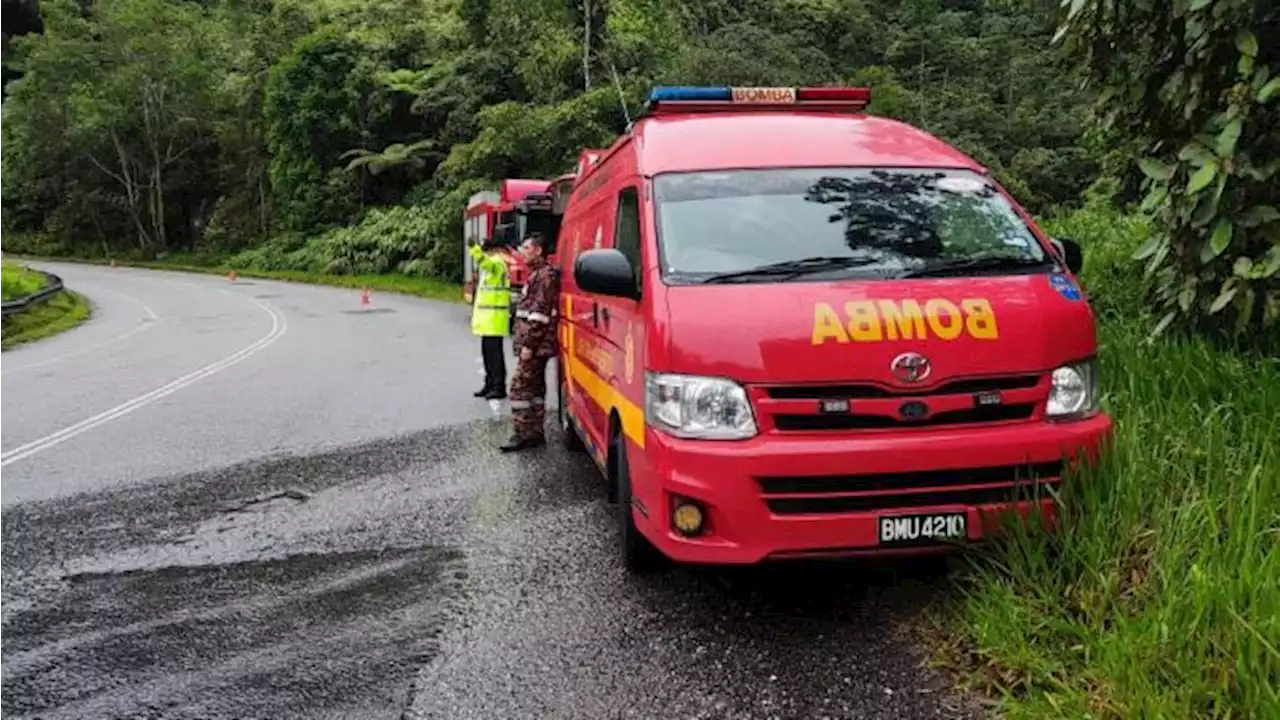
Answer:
(792, 329)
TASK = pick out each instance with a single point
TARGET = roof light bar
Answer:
(697, 98)
(669, 93)
(844, 94)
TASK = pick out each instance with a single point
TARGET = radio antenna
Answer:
(622, 98)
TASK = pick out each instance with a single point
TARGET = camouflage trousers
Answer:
(529, 397)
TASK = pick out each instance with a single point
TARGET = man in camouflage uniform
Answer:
(535, 345)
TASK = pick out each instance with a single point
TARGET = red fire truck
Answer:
(518, 207)
(501, 214)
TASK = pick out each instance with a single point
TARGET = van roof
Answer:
(790, 138)
(516, 189)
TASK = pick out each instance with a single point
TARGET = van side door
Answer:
(619, 322)
(588, 372)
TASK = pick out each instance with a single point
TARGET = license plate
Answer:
(922, 529)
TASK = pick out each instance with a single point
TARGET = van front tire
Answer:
(638, 554)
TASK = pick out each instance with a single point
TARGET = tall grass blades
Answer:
(1159, 597)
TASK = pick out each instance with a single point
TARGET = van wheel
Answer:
(638, 554)
(568, 433)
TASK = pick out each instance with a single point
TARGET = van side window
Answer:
(626, 232)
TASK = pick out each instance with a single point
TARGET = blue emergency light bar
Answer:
(717, 98)
(676, 93)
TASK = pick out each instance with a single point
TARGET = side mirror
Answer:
(606, 272)
(1071, 253)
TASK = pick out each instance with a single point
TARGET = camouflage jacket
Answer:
(537, 312)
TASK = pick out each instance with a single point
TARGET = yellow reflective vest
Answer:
(491, 311)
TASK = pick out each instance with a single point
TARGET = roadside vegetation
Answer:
(425, 287)
(337, 141)
(1161, 596)
(60, 312)
(17, 281)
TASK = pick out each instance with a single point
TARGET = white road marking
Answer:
(150, 321)
(278, 329)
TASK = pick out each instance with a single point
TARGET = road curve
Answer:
(254, 499)
(184, 372)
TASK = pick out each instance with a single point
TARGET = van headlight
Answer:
(1074, 395)
(703, 408)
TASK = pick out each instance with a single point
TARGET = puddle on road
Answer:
(278, 588)
(305, 586)
(287, 633)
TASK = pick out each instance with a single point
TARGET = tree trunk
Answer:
(586, 44)
(152, 104)
(262, 203)
(158, 210)
(130, 189)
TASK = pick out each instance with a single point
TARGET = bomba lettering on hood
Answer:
(879, 320)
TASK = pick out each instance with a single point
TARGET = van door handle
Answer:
(595, 314)
(604, 315)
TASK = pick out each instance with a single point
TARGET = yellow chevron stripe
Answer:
(599, 389)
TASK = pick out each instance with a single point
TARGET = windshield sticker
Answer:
(1064, 287)
(879, 320)
(961, 184)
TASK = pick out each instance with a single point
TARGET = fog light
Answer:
(687, 517)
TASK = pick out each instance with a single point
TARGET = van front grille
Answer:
(871, 406)
(826, 494)
(853, 421)
(863, 391)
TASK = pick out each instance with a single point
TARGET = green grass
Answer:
(17, 281)
(1160, 595)
(404, 284)
(53, 315)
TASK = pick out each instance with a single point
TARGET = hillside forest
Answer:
(344, 136)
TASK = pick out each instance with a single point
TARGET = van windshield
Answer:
(824, 223)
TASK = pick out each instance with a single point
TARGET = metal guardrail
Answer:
(53, 287)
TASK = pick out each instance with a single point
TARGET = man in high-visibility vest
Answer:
(491, 317)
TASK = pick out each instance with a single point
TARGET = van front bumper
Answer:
(801, 495)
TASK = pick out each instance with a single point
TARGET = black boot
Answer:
(496, 394)
(516, 444)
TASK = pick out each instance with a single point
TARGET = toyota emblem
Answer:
(910, 367)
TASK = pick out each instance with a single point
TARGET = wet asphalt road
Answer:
(322, 529)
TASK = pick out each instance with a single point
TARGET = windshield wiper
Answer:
(793, 268)
(984, 264)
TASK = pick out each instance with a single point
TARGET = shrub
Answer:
(396, 239)
(1208, 95)
(1109, 238)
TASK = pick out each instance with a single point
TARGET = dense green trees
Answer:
(269, 126)
(1199, 80)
